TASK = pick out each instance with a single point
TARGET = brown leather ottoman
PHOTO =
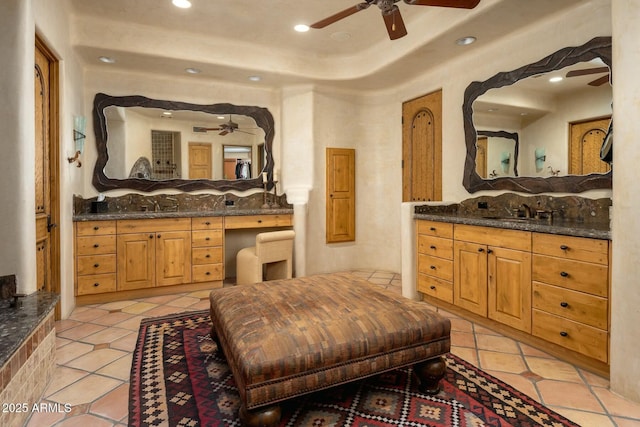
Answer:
(286, 338)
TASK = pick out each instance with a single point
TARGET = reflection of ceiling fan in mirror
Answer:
(391, 13)
(587, 71)
(225, 128)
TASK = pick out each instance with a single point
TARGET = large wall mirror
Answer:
(148, 144)
(558, 125)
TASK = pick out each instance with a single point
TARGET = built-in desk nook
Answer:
(132, 253)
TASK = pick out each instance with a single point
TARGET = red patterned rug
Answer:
(178, 378)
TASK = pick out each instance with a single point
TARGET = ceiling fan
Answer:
(597, 70)
(391, 13)
(225, 128)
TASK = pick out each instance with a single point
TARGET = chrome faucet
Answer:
(156, 206)
(528, 212)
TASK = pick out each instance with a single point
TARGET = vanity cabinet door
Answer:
(470, 277)
(173, 258)
(509, 299)
(136, 261)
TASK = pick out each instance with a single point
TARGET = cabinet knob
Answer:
(259, 221)
(489, 251)
(564, 334)
(433, 267)
(207, 223)
(564, 274)
(432, 287)
(207, 256)
(208, 273)
(564, 247)
(432, 247)
(432, 228)
(151, 236)
(96, 265)
(96, 284)
(207, 238)
(480, 249)
(564, 304)
(159, 236)
(96, 245)
(96, 228)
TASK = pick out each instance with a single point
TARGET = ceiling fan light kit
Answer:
(391, 13)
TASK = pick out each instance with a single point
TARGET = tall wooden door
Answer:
(200, 164)
(584, 147)
(422, 148)
(481, 156)
(341, 195)
(46, 170)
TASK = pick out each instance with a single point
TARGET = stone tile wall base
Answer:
(26, 387)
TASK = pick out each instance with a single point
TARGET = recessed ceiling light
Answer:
(555, 79)
(193, 70)
(301, 28)
(465, 40)
(340, 36)
(182, 4)
(107, 59)
(255, 78)
(221, 117)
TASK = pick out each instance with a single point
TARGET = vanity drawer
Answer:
(206, 238)
(436, 267)
(96, 284)
(206, 255)
(590, 341)
(96, 245)
(435, 246)
(576, 248)
(96, 264)
(207, 272)
(503, 238)
(435, 287)
(95, 228)
(577, 306)
(257, 221)
(576, 275)
(206, 223)
(435, 228)
(153, 225)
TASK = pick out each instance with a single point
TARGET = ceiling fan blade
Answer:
(599, 81)
(394, 23)
(340, 15)
(223, 133)
(460, 4)
(586, 71)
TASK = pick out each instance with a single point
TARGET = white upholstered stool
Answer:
(275, 249)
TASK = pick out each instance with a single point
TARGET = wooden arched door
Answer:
(584, 147)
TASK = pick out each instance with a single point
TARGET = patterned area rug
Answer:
(178, 378)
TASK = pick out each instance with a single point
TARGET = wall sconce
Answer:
(79, 125)
(505, 160)
(540, 159)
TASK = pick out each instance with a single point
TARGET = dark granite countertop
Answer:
(564, 227)
(178, 214)
(16, 324)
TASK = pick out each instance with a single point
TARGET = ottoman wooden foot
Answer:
(262, 417)
(430, 373)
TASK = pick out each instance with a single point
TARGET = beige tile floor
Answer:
(95, 345)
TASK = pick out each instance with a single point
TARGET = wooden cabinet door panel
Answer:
(173, 258)
(136, 261)
(510, 287)
(470, 277)
(341, 195)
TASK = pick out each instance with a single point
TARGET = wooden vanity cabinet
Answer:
(492, 274)
(154, 252)
(95, 257)
(571, 293)
(435, 259)
(207, 253)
